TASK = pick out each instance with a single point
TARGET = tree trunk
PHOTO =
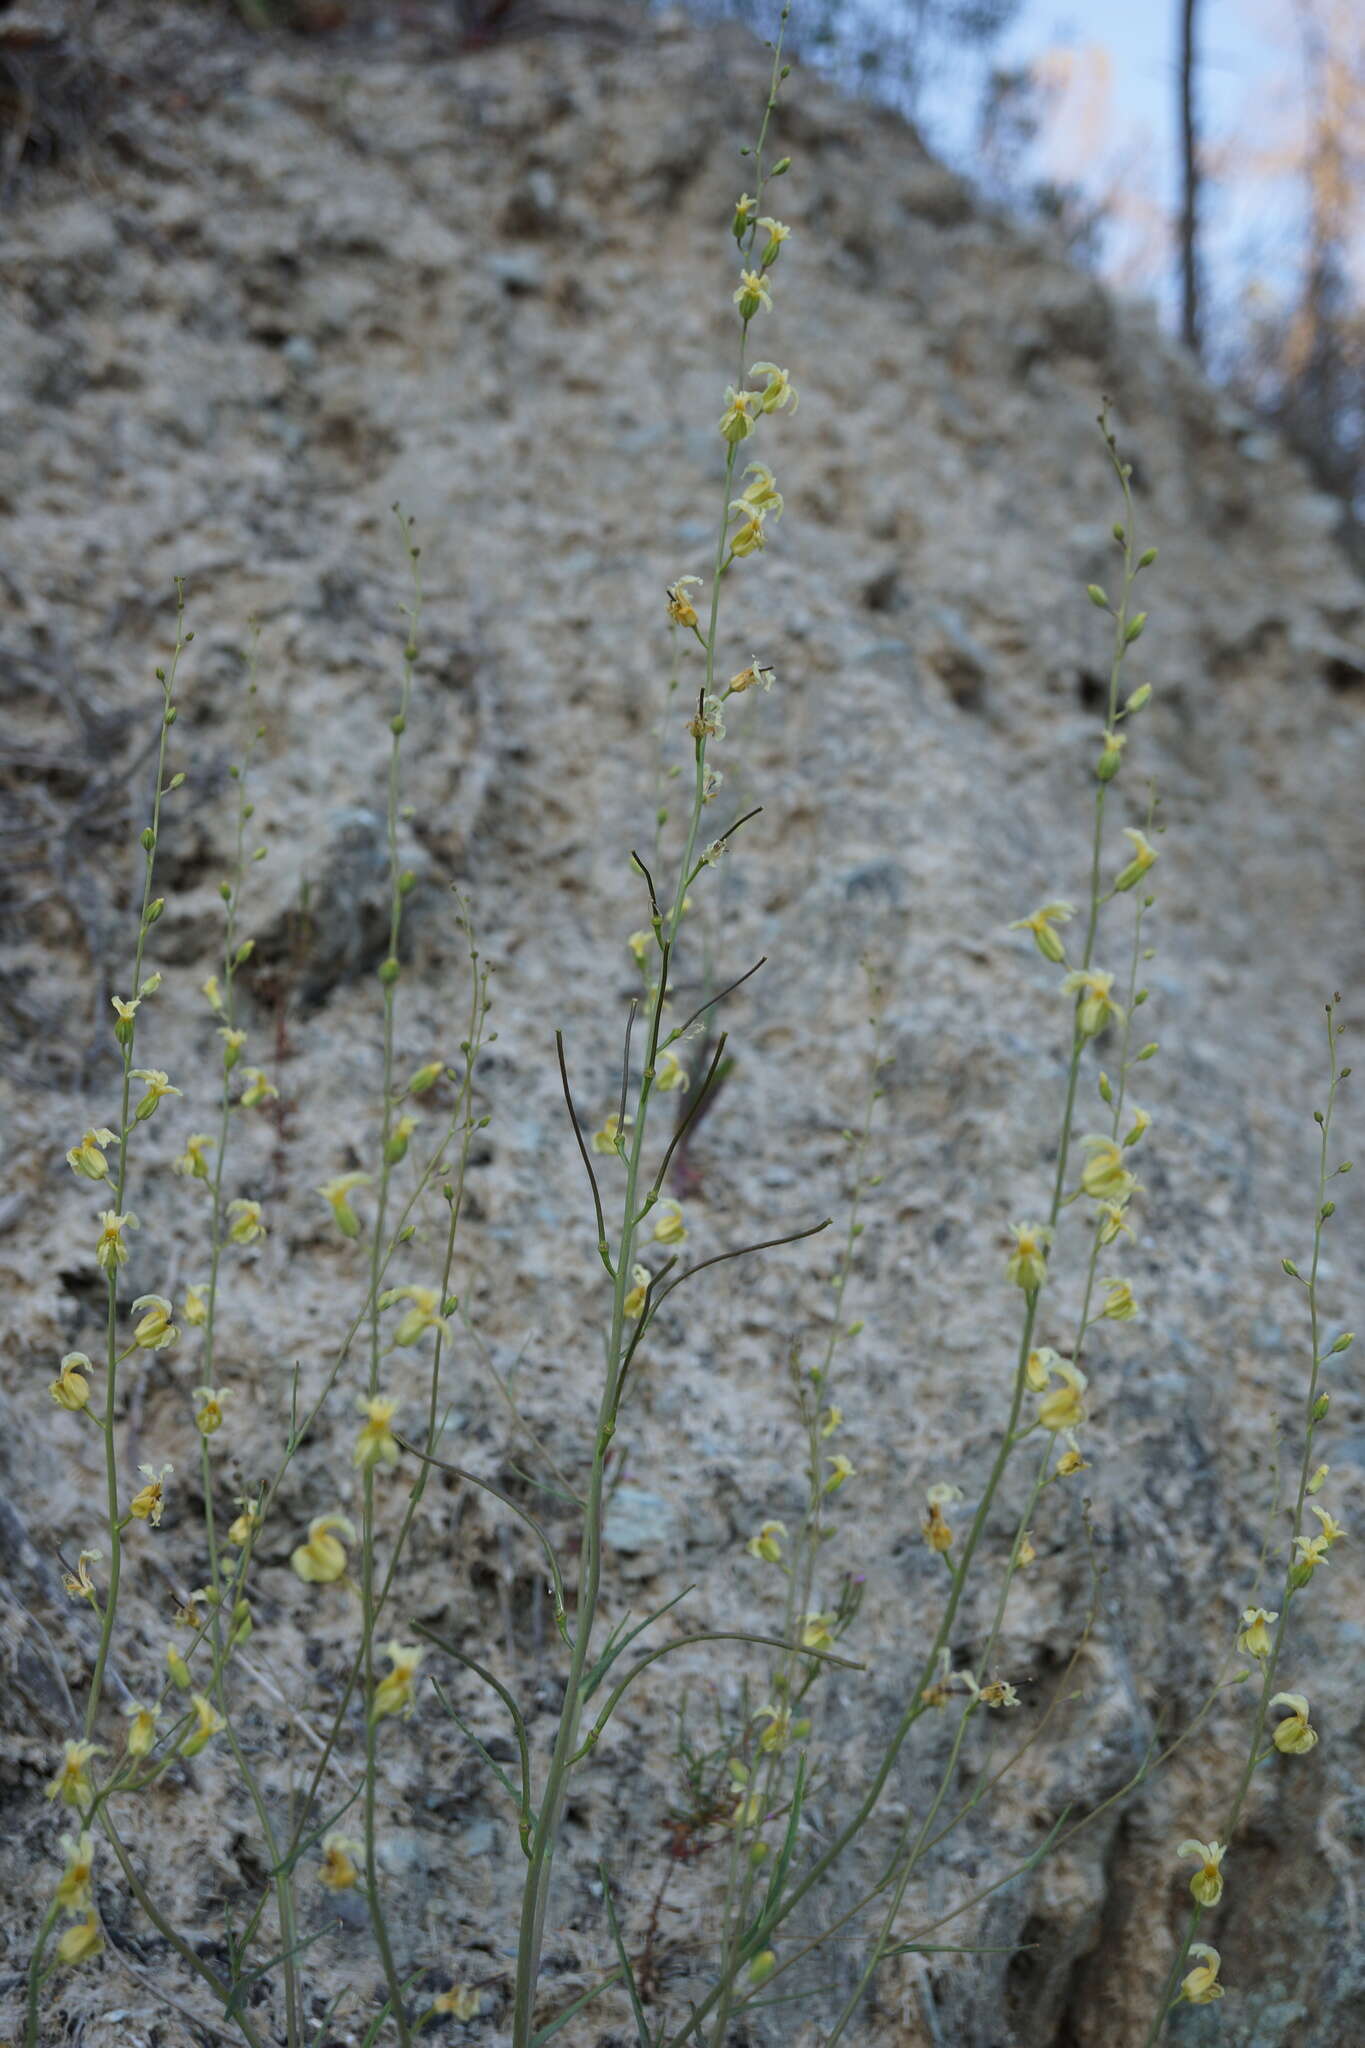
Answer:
(1190, 319)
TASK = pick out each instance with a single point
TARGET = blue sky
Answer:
(1115, 127)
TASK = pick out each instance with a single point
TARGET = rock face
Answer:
(299, 282)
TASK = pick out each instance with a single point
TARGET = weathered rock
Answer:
(493, 284)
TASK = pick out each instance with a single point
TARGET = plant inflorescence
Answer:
(749, 1767)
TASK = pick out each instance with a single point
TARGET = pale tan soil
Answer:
(306, 281)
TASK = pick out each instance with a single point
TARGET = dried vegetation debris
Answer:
(304, 280)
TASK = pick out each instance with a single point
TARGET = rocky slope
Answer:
(295, 283)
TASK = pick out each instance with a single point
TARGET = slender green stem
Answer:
(127, 1037)
(1257, 1752)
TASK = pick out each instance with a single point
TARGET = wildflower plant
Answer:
(746, 1791)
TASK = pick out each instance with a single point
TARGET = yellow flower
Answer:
(1027, 1264)
(668, 1224)
(762, 495)
(212, 994)
(337, 1869)
(111, 1251)
(1201, 1986)
(257, 1090)
(79, 1583)
(1332, 1531)
(399, 1139)
(1070, 1463)
(87, 1159)
(71, 1389)
(208, 1722)
(1119, 1304)
(639, 944)
(999, 1693)
(1095, 1006)
(681, 609)
(191, 1162)
(1141, 1122)
(766, 1545)
(1144, 856)
(394, 1694)
(634, 1302)
(425, 1313)
(178, 1668)
(1107, 767)
(156, 1330)
(745, 209)
(146, 1505)
(816, 1633)
(1207, 1882)
(1064, 1407)
(158, 1085)
(748, 537)
(670, 1073)
(1104, 1176)
(737, 420)
(609, 1137)
(1027, 1553)
(426, 1077)
(1253, 1636)
(80, 1942)
(375, 1444)
(209, 1417)
(196, 1305)
(708, 723)
(1319, 1479)
(1293, 1736)
(758, 675)
(72, 1782)
(1114, 1223)
(1311, 1551)
(840, 1470)
(73, 1890)
(248, 1223)
(777, 1734)
(778, 392)
(334, 1193)
(460, 2002)
(233, 1041)
(322, 1559)
(777, 235)
(248, 1521)
(1041, 923)
(1038, 1365)
(935, 1528)
(141, 1728)
(748, 1809)
(830, 1419)
(751, 292)
(125, 1018)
